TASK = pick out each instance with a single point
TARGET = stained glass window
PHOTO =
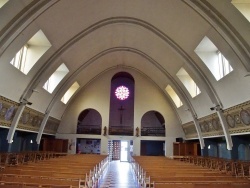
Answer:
(122, 92)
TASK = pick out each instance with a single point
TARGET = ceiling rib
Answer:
(21, 21)
(224, 28)
(71, 78)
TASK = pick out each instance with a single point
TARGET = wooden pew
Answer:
(204, 185)
(30, 185)
(63, 171)
(11, 159)
(170, 173)
(40, 181)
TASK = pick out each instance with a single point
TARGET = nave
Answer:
(59, 170)
(80, 76)
(118, 175)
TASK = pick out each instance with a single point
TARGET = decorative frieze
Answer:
(237, 117)
(7, 111)
(30, 119)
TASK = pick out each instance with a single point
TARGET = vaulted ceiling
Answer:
(154, 38)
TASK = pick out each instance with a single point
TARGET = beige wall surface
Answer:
(97, 95)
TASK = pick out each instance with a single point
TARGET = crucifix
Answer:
(121, 113)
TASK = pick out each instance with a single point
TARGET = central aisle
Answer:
(118, 175)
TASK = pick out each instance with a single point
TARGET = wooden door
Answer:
(116, 149)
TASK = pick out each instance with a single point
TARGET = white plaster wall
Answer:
(97, 94)
(6, 15)
(232, 90)
(234, 84)
(104, 142)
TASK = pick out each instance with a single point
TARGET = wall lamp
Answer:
(217, 108)
(29, 103)
(26, 102)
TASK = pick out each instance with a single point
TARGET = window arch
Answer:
(31, 52)
(188, 82)
(89, 122)
(243, 7)
(121, 115)
(152, 124)
(213, 58)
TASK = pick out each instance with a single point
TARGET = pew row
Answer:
(71, 170)
(164, 172)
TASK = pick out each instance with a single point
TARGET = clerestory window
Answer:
(3, 2)
(56, 78)
(188, 82)
(70, 92)
(243, 6)
(31, 52)
(224, 66)
(19, 60)
(171, 92)
(215, 61)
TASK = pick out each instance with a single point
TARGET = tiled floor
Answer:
(118, 175)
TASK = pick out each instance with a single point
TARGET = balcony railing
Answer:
(96, 130)
(153, 131)
(120, 130)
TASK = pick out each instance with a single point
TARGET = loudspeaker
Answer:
(180, 139)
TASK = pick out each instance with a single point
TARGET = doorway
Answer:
(124, 151)
(120, 150)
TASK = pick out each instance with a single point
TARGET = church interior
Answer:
(132, 80)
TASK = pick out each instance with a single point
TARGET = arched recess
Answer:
(70, 80)
(89, 122)
(22, 20)
(190, 63)
(177, 49)
(121, 114)
(152, 124)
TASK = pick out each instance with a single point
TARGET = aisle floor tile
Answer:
(118, 175)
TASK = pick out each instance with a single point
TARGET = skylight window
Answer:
(70, 92)
(3, 2)
(174, 96)
(213, 59)
(31, 52)
(188, 82)
(243, 6)
(20, 58)
(56, 78)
